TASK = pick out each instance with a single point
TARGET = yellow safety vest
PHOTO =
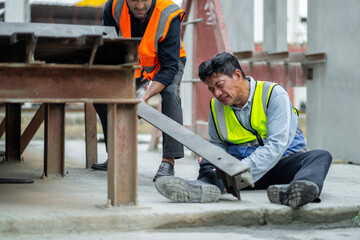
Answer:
(231, 130)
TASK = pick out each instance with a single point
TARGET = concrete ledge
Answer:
(139, 218)
(76, 202)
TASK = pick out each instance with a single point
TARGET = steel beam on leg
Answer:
(54, 142)
(90, 134)
(13, 131)
(236, 175)
(122, 152)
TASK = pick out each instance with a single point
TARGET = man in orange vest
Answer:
(161, 59)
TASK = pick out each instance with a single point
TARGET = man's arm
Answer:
(281, 130)
(214, 136)
(107, 17)
(168, 55)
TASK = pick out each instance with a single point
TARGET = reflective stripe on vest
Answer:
(229, 127)
(164, 12)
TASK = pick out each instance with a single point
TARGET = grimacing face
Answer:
(226, 89)
(139, 8)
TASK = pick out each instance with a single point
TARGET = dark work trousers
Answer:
(170, 106)
(312, 166)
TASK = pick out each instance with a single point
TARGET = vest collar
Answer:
(149, 13)
(251, 95)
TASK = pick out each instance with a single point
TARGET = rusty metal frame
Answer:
(55, 70)
(58, 84)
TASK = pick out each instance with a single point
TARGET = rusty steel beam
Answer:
(54, 140)
(65, 83)
(122, 152)
(21, 47)
(32, 128)
(90, 135)
(13, 132)
(57, 64)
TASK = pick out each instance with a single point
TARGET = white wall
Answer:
(17, 11)
(333, 97)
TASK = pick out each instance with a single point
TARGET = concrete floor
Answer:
(75, 203)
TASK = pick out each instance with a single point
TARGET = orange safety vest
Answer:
(156, 31)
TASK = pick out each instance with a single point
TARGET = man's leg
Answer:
(171, 107)
(180, 190)
(101, 110)
(207, 188)
(207, 174)
(298, 179)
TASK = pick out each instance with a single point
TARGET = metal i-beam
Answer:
(122, 153)
(54, 156)
(56, 64)
(235, 174)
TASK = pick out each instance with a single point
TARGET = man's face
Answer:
(228, 90)
(139, 7)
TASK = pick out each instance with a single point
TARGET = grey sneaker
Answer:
(182, 191)
(294, 195)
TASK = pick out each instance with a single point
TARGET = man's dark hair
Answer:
(224, 63)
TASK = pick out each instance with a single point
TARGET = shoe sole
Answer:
(159, 176)
(181, 191)
(298, 194)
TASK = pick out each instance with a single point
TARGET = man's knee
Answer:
(322, 156)
(170, 92)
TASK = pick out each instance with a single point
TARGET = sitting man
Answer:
(255, 122)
